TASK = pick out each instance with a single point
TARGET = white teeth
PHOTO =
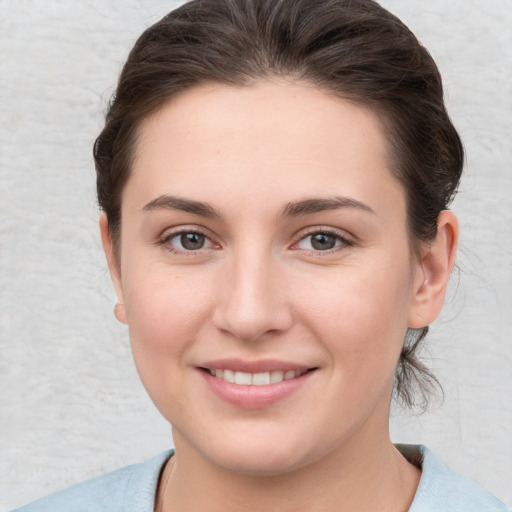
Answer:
(243, 378)
(261, 379)
(277, 376)
(256, 379)
(229, 376)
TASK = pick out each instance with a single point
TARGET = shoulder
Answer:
(443, 490)
(134, 485)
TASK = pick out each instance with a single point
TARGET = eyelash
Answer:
(168, 236)
(344, 242)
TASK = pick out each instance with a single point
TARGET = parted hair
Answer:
(354, 49)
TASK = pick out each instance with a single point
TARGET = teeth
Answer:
(261, 379)
(229, 376)
(255, 379)
(243, 378)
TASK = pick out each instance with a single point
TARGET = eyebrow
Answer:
(315, 205)
(185, 205)
(294, 209)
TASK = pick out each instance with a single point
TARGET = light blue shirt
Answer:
(133, 488)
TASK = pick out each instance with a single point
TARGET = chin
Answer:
(260, 462)
(263, 455)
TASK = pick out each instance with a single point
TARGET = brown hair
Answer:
(353, 48)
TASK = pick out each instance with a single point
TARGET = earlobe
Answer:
(435, 265)
(120, 312)
(114, 267)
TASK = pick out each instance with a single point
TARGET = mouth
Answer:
(255, 384)
(256, 379)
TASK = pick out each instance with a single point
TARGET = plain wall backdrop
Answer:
(71, 404)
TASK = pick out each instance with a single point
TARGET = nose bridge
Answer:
(252, 301)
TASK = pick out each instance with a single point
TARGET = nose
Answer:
(252, 301)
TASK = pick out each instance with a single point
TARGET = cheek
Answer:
(360, 314)
(165, 312)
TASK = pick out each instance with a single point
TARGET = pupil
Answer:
(192, 241)
(323, 242)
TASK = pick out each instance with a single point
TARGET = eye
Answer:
(187, 241)
(322, 241)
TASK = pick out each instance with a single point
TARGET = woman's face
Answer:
(264, 242)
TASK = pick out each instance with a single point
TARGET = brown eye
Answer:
(323, 241)
(186, 241)
(191, 241)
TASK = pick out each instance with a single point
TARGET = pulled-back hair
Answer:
(354, 49)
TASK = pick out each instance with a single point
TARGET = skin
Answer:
(259, 289)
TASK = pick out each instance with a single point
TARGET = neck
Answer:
(373, 476)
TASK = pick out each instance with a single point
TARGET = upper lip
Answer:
(259, 366)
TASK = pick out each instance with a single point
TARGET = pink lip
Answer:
(253, 397)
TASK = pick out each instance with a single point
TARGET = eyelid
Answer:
(170, 233)
(346, 240)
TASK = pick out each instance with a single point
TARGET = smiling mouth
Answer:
(256, 379)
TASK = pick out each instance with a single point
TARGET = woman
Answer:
(274, 179)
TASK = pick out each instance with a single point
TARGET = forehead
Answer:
(270, 139)
(278, 107)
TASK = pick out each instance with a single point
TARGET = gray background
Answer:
(71, 405)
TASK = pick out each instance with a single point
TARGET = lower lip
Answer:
(254, 397)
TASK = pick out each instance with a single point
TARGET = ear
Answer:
(114, 266)
(434, 267)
